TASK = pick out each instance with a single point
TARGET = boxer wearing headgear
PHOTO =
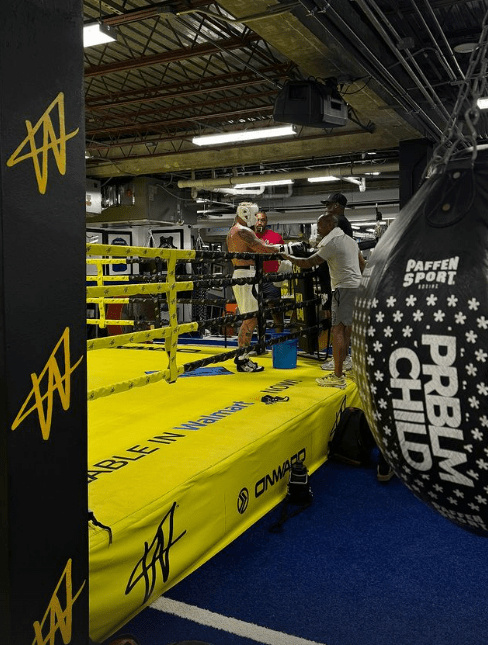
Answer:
(247, 212)
(241, 239)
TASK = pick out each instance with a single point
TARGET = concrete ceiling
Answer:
(188, 67)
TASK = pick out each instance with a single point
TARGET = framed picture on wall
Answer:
(167, 239)
(93, 236)
(122, 238)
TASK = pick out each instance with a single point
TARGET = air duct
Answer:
(345, 171)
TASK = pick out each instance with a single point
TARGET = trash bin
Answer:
(284, 353)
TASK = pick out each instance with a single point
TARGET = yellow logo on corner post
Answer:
(49, 142)
(58, 618)
(55, 381)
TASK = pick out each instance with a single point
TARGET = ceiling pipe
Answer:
(346, 36)
(347, 171)
(422, 83)
(241, 191)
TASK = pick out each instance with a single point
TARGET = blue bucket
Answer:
(284, 353)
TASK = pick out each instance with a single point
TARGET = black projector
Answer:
(310, 103)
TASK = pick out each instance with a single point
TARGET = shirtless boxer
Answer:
(240, 239)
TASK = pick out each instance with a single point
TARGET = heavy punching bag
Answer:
(420, 343)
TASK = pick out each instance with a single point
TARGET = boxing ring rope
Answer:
(103, 294)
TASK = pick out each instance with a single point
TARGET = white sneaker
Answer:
(329, 365)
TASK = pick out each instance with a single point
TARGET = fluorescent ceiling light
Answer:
(324, 178)
(354, 180)
(483, 103)
(270, 182)
(245, 135)
(97, 34)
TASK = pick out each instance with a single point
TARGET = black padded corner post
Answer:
(43, 444)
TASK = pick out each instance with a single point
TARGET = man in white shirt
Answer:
(346, 263)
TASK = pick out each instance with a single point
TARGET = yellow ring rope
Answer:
(103, 294)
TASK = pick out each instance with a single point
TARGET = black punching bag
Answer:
(420, 343)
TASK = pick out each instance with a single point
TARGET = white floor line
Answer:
(231, 625)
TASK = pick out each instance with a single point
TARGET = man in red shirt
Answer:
(270, 292)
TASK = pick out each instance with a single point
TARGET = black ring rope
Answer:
(228, 301)
(224, 281)
(203, 282)
(202, 256)
(232, 318)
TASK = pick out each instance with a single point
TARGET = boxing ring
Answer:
(180, 468)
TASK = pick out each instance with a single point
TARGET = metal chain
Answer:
(466, 113)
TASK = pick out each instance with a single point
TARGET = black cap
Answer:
(337, 198)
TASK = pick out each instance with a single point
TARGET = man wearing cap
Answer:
(335, 204)
(345, 262)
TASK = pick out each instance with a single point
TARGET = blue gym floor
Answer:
(365, 564)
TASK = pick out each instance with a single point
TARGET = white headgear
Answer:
(247, 211)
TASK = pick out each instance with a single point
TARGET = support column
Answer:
(414, 157)
(43, 440)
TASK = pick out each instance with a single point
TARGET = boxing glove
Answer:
(285, 248)
(300, 249)
(297, 249)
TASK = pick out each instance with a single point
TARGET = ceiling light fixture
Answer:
(245, 135)
(324, 178)
(96, 33)
(465, 48)
(270, 182)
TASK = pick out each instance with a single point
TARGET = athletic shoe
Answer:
(247, 365)
(352, 375)
(384, 474)
(331, 380)
(329, 365)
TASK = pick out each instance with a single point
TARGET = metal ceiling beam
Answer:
(185, 88)
(242, 145)
(304, 150)
(122, 17)
(158, 125)
(180, 94)
(129, 117)
(185, 53)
